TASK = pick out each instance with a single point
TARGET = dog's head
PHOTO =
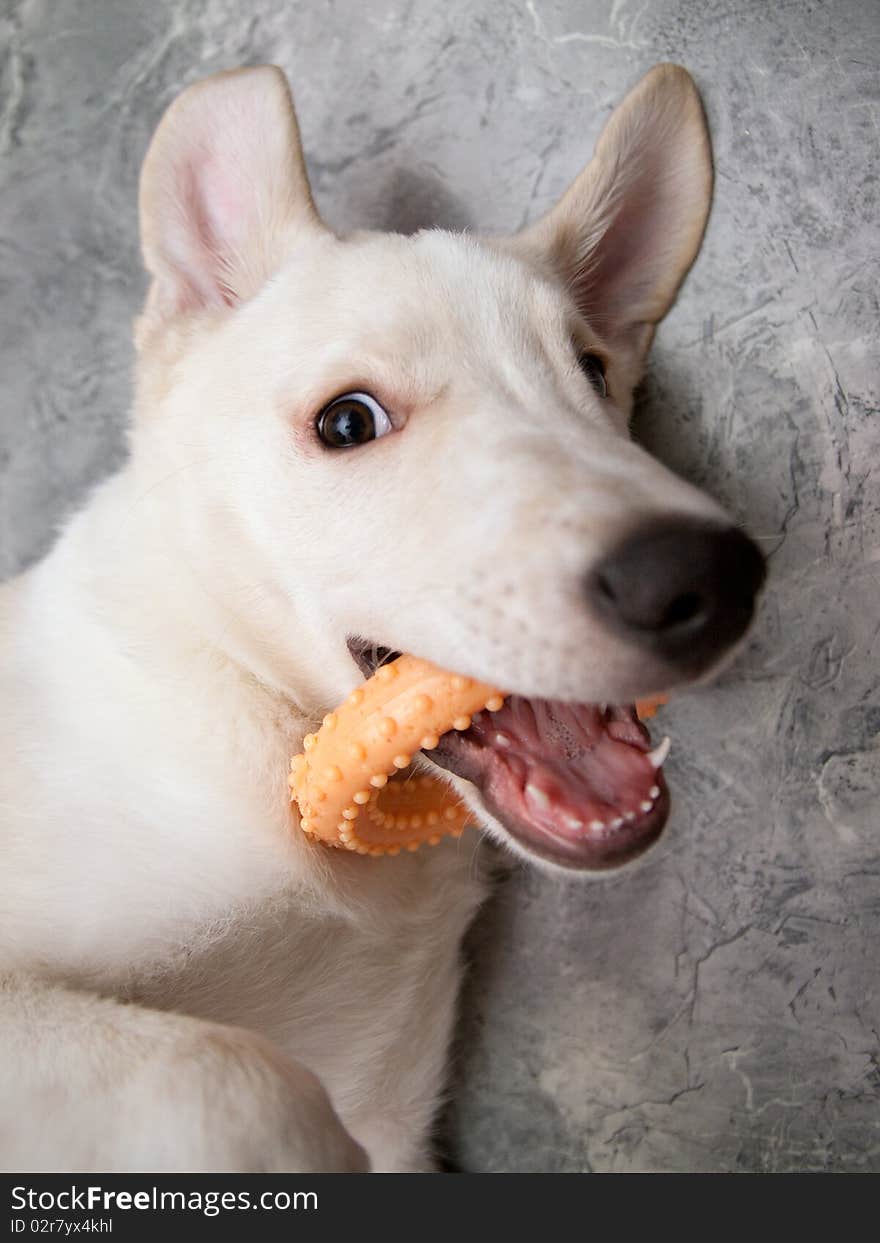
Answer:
(421, 441)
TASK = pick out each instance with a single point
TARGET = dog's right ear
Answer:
(223, 191)
(626, 231)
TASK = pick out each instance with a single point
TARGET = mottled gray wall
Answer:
(716, 1009)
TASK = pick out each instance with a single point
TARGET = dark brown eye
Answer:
(352, 419)
(594, 369)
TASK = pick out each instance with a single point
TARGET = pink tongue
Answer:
(569, 766)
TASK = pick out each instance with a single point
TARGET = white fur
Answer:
(179, 963)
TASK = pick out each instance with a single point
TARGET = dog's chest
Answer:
(364, 997)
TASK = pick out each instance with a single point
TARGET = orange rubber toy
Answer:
(354, 782)
(350, 781)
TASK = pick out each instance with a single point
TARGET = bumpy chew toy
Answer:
(349, 781)
(354, 783)
(646, 708)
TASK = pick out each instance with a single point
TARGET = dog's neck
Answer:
(174, 614)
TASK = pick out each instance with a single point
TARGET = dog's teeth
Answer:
(617, 822)
(537, 795)
(573, 823)
(629, 815)
(660, 752)
(501, 740)
(646, 805)
(654, 792)
(596, 826)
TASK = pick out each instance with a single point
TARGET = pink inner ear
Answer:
(631, 274)
(207, 229)
(631, 250)
(217, 208)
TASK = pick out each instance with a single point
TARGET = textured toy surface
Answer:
(354, 782)
(646, 708)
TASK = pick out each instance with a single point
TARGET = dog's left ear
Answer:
(625, 233)
(223, 192)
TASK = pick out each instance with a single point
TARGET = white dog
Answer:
(188, 982)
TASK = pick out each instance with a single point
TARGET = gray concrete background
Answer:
(716, 1009)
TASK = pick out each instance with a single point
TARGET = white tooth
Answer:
(659, 754)
(629, 815)
(501, 740)
(537, 795)
(646, 806)
(617, 822)
(573, 823)
(596, 826)
(654, 792)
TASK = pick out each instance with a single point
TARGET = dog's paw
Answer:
(228, 1100)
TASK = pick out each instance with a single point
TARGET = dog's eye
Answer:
(352, 419)
(594, 369)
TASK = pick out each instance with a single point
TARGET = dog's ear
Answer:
(223, 189)
(626, 231)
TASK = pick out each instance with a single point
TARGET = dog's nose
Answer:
(683, 587)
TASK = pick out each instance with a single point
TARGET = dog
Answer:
(341, 448)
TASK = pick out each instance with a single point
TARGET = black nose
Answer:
(682, 587)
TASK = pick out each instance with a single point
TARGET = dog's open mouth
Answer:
(577, 784)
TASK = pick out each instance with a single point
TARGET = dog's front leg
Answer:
(89, 1083)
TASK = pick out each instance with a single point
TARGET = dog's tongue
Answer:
(577, 783)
